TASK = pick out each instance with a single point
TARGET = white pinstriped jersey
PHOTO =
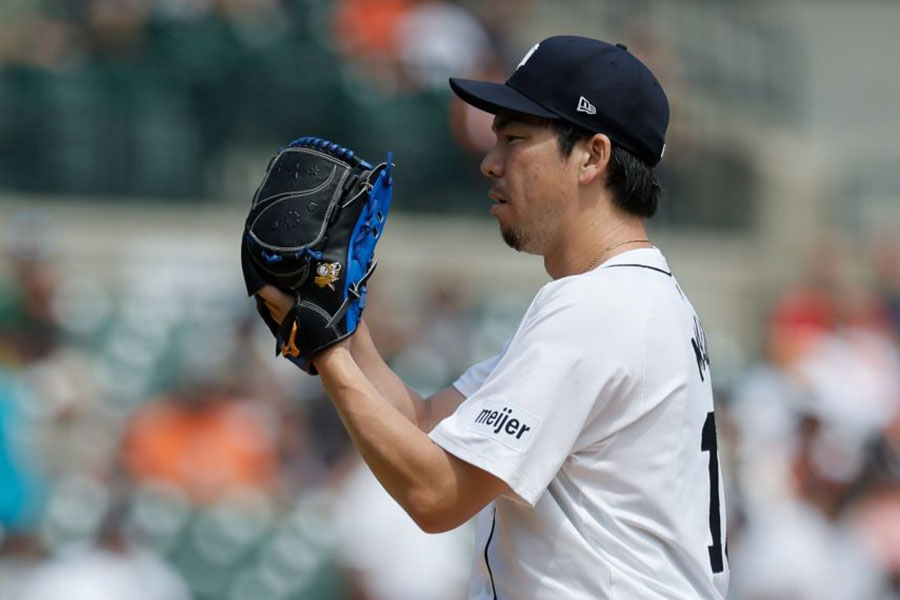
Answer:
(598, 414)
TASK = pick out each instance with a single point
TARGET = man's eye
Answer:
(511, 138)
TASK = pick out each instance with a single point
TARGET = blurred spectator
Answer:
(386, 555)
(877, 518)
(365, 35)
(442, 347)
(410, 45)
(832, 337)
(29, 324)
(20, 555)
(887, 270)
(802, 547)
(110, 569)
(367, 27)
(19, 498)
(311, 445)
(807, 417)
(204, 441)
(854, 371)
(115, 28)
(34, 36)
(506, 25)
(438, 40)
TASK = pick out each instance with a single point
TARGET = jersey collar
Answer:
(642, 257)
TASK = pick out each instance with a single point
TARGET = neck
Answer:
(589, 245)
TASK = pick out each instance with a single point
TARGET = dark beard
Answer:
(514, 238)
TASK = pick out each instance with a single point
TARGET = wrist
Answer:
(332, 357)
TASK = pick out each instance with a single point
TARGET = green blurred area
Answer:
(185, 107)
(158, 118)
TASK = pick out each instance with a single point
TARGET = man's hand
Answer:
(311, 231)
(276, 301)
(279, 304)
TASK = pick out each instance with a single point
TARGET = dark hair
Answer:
(635, 189)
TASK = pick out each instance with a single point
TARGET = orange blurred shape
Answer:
(368, 27)
(206, 450)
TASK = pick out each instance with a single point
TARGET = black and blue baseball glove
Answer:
(312, 230)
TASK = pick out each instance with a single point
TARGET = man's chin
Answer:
(514, 238)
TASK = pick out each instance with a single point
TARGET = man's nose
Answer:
(491, 166)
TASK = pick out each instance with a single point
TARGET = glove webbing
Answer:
(356, 290)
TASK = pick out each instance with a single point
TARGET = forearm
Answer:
(402, 397)
(416, 472)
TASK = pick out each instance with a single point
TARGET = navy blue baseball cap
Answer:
(599, 86)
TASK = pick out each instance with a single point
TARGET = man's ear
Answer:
(595, 155)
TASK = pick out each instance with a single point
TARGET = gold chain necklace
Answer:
(610, 249)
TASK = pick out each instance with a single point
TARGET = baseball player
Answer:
(587, 446)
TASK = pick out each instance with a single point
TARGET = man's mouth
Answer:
(497, 197)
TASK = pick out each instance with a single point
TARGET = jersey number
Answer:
(708, 443)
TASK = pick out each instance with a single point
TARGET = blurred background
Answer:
(152, 447)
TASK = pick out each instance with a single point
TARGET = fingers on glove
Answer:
(276, 301)
(287, 344)
(263, 311)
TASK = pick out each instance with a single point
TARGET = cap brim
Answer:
(492, 97)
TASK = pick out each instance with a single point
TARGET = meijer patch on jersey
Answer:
(507, 424)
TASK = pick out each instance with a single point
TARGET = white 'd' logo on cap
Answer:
(528, 55)
(585, 106)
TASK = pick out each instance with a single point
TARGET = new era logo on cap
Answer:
(586, 107)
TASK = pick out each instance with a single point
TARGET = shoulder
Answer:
(599, 295)
(583, 316)
(614, 302)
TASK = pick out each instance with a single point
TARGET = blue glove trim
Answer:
(365, 235)
(332, 148)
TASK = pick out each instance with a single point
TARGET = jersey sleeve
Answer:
(475, 376)
(525, 419)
